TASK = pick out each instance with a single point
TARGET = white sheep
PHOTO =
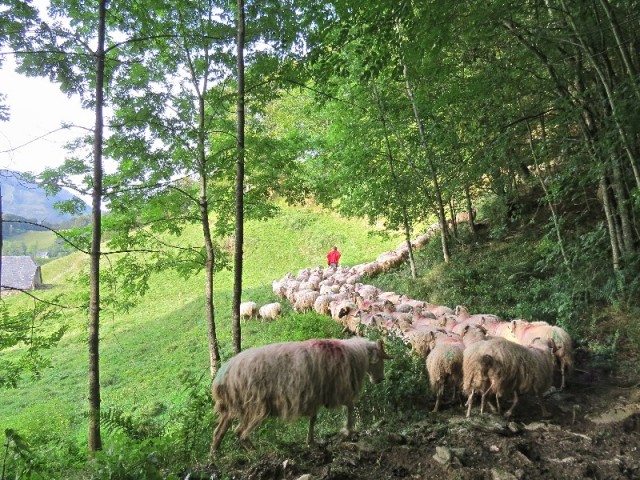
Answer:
(498, 366)
(270, 311)
(248, 310)
(303, 300)
(293, 379)
(444, 366)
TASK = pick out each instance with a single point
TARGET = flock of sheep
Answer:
(479, 355)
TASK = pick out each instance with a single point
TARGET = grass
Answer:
(152, 355)
(29, 242)
(154, 360)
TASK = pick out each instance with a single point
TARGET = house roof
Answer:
(20, 272)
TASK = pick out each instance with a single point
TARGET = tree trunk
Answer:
(472, 223)
(620, 43)
(434, 176)
(94, 438)
(611, 225)
(239, 232)
(396, 181)
(454, 220)
(609, 96)
(622, 203)
(214, 350)
(552, 208)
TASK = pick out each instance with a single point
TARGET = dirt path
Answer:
(592, 432)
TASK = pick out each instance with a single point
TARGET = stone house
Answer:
(20, 272)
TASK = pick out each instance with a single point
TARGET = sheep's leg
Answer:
(439, 394)
(312, 423)
(562, 369)
(470, 403)
(483, 398)
(513, 405)
(223, 426)
(346, 431)
(246, 427)
(543, 408)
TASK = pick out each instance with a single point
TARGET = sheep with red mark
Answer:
(462, 312)
(439, 310)
(525, 332)
(291, 380)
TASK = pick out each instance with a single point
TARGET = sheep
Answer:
(421, 339)
(293, 379)
(270, 311)
(471, 334)
(341, 307)
(499, 366)
(248, 310)
(462, 312)
(304, 300)
(321, 303)
(303, 274)
(368, 292)
(439, 310)
(525, 332)
(537, 378)
(444, 366)
(490, 367)
(279, 288)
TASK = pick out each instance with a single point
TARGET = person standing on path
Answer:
(333, 257)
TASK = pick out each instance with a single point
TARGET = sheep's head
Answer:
(377, 355)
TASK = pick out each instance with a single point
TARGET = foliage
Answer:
(31, 331)
(154, 375)
(404, 388)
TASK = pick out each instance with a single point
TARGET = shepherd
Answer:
(333, 257)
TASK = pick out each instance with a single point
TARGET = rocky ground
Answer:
(592, 431)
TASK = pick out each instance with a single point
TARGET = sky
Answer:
(37, 108)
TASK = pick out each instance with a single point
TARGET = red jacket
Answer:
(333, 257)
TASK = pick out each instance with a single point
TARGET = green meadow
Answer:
(152, 356)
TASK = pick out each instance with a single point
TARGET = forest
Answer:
(500, 121)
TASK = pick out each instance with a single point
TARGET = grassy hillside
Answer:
(28, 243)
(154, 362)
(151, 355)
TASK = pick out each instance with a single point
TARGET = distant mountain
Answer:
(30, 201)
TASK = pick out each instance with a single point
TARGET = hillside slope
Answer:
(146, 351)
(155, 378)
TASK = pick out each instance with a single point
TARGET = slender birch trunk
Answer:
(239, 230)
(94, 436)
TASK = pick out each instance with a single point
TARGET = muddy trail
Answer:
(591, 431)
